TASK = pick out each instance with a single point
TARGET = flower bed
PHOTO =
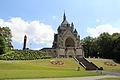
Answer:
(57, 62)
(110, 64)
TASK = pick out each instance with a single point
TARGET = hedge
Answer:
(24, 55)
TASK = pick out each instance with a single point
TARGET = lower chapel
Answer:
(66, 41)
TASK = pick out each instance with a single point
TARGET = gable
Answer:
(68, 33)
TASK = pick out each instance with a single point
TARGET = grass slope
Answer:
(41, 68)
(101, 63)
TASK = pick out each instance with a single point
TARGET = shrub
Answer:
(24, 55)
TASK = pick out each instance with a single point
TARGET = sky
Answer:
(39, 19)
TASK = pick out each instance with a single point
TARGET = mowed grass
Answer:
(110, 79)
(101, 63)
(42, 68)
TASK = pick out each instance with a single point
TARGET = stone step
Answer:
(86, 64)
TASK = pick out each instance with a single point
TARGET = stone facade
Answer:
(67, 41)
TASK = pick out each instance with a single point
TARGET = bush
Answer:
(46, 57)
(24, 55)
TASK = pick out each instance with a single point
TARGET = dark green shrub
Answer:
(24, 55)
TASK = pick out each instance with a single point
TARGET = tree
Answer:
(95, 48)
(104, 42)
(7, 34)
(2, 45)
(108, 46)
(116, 45)
(89, 46)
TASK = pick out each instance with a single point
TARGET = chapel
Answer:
(67, 40)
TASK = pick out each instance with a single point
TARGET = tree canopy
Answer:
(5, 39)
(104, 46)
(2, 45)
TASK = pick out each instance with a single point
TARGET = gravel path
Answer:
(76, 78)
(110, 74)
(115, 73)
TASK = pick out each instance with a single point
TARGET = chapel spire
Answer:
(64, 17)
(65, 22)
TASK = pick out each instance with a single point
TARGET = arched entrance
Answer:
(69, 42)
(70, 47)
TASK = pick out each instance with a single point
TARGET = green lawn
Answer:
(41, 69)
(110, 79)
(101, 63)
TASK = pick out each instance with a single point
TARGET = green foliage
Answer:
(2, 45)
(116, 45)
(104, 42)
(5, 39)
(24, 55)
(89, 46)
(7, 34)
(104, 46)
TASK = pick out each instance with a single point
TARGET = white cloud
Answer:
(36, 31)
(96, 31)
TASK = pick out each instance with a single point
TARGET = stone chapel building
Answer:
(66, 41)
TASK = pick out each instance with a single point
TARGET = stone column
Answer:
(24, 44)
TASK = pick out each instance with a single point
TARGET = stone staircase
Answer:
(86, 64)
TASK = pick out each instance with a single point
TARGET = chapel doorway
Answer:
(70, 47)
(69, 42)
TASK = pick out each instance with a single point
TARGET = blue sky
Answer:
(90, 17)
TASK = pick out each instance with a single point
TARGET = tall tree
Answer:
(104, 42)
(7, 34)
(2, 45)
(116, 45)
(104, 46)
(89, 46)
